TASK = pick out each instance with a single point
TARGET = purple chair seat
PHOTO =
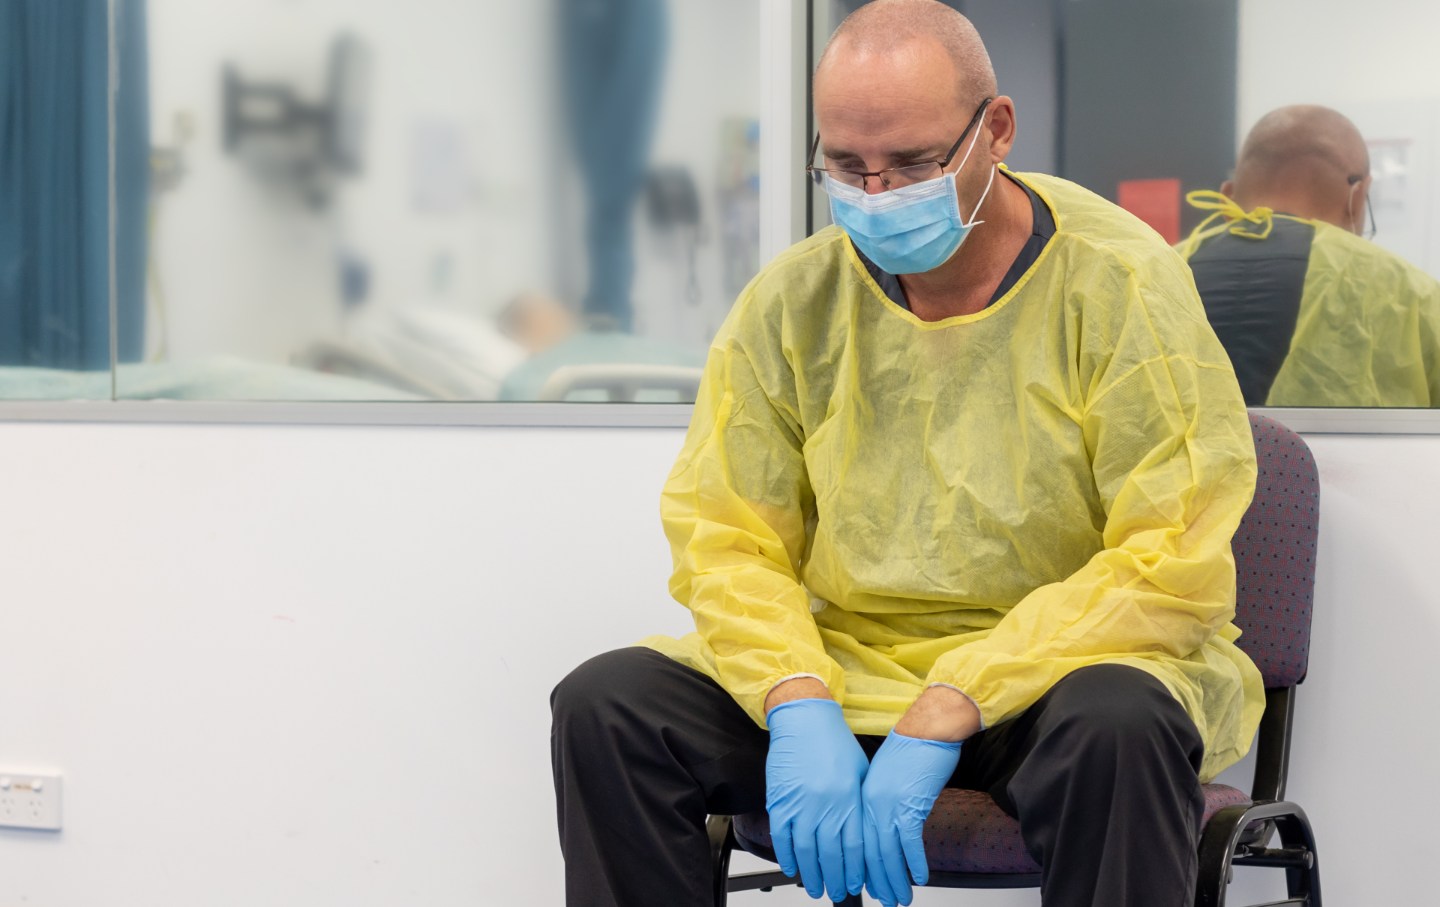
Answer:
(967, 832)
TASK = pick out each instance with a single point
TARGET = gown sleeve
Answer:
(735, 511)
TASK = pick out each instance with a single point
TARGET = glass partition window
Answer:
(1145, 104)
(558, 200)
(331, 200)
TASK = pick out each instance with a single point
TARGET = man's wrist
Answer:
(941, 713)
(798, 687)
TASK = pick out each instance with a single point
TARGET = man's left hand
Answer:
(905, 778)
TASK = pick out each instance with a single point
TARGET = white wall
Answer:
(1376, 64)
(1333, 52)
(309, 665)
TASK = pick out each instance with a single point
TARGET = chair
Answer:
(970, 843)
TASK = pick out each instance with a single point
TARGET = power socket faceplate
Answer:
(29, 799)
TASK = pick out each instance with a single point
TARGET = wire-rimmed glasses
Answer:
(1369, 231)
(891, 177)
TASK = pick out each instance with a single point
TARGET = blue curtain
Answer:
(54, 182)
(612, 59)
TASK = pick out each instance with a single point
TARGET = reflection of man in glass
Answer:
(612, 55)
(1310, 311)
(954, 508)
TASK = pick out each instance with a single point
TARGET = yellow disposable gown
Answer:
(990, 501)
(1368, 330)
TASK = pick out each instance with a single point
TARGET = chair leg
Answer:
(1296, 854)
(1302, 882)
(722, 842)
(1217, 850)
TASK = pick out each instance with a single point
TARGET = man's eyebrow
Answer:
(838, 154)
(927, 153)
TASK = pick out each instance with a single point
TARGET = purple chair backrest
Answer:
(1275, 555)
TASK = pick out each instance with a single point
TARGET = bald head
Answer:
(1304, 160)
(885, 28)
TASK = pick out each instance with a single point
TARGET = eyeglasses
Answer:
(1354, 181)
(891, 177)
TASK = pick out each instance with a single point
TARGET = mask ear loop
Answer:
(1231, 217)
(988, 183)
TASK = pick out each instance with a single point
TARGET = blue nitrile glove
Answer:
(812, 792)
(904, 779)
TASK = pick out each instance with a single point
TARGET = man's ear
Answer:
(1000, 121)
(1227, 189)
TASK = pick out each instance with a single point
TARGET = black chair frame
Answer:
(1238, 835)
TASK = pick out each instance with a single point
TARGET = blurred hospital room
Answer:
(378, 201)
(346, 346)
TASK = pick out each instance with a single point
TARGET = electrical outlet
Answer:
(29, 799)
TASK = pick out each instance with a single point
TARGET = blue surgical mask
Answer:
(908, 230)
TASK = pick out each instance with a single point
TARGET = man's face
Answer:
(880, 111)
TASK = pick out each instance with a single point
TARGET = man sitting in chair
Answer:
(954, 508)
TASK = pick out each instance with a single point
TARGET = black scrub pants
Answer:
(1101, 773)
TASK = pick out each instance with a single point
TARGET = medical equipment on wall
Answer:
(672, 210)
(167, 171)
(738, 202)
(305, 145)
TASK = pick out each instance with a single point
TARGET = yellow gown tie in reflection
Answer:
(1226, 215)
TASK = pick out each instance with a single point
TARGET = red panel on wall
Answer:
(1156, 202)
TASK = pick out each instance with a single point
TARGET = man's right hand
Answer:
(812, 792)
